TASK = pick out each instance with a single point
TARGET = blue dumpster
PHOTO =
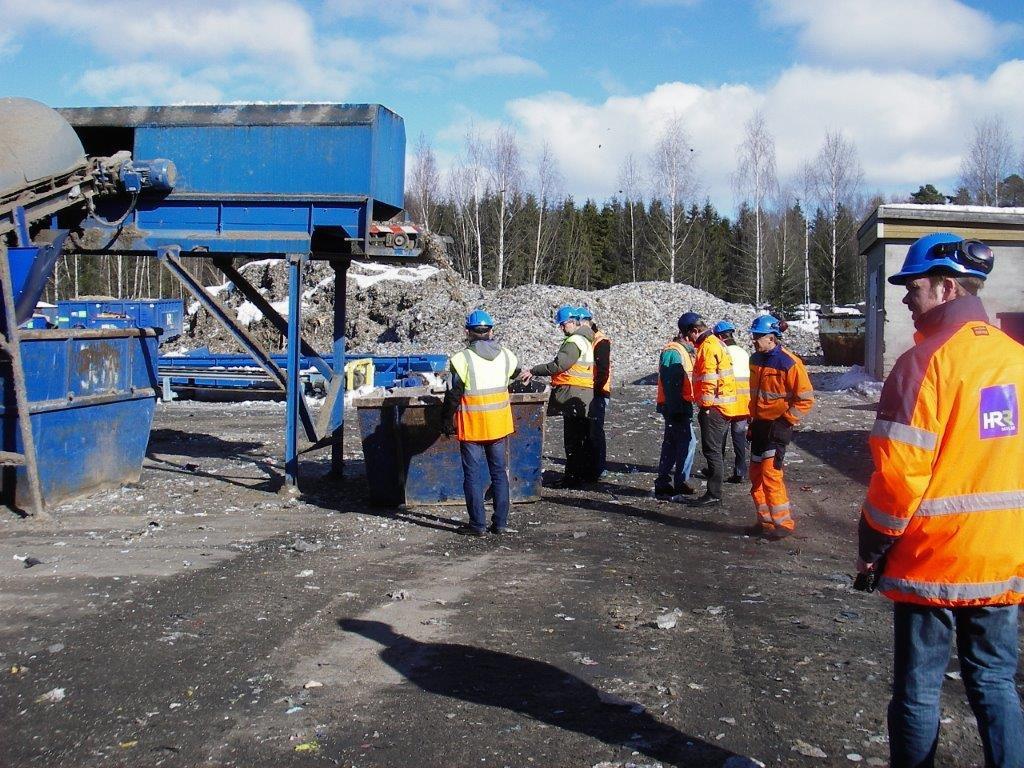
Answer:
(166, 314)
(410, 463)
(91, 396)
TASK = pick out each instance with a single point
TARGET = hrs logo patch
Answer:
(1000, 411)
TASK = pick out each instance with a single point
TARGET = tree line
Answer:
(790, 241)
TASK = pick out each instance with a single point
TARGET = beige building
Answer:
(884, 238)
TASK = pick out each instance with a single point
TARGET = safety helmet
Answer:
(582, 313)
(765, 324)
(946, 252)
(565, 313)
(723, 326)
(687, 320)
(479, 319)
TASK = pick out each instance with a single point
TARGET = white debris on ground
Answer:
(401, 310)
(854, 379)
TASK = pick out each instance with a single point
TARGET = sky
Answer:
(904, 80)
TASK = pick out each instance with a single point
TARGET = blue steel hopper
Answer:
(288, 181)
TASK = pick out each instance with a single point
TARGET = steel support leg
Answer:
(294, 394)
(337, 404)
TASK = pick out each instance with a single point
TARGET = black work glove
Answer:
(448, 426)
(782, 431)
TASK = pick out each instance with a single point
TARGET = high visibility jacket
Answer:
(687, 383)
(713, 378)
(779, 386)
(948, 450)
(602, 387)
(741, 372)
(485, 412)
(581, 373)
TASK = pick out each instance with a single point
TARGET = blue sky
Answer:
(903, 79)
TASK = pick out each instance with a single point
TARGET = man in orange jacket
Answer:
(715, 394)
(780, 395)
(942, 527)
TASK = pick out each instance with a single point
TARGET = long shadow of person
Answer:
(536, 689)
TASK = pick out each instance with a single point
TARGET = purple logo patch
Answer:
(1000, 412)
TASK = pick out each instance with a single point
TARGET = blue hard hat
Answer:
(479, 319)
(945, 252)
(565, 313)
(687, 320)
(582, 313)
(765, 324)
(722, 326)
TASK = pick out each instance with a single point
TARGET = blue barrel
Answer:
(91, 394)
(409, 462)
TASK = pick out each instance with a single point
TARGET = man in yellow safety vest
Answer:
(478, 411)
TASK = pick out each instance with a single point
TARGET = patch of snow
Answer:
(248, 313)
(390, 272)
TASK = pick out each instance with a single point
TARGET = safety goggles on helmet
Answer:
(972, 254)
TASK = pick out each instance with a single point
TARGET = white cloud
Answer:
(909, 128)
(8, 47)
(917, 34)
(147, 84)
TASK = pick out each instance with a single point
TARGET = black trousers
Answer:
(714, 431)
(576, 433)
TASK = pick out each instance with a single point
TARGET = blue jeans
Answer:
(480, 462)
(986, 643)
(677, 450)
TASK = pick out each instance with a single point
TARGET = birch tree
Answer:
(836, 176)
(472, 173)
(630, 187)
(987, 161)
(548, 186)
(424, 183)
(504, 171)
(672, 167)
(755, 182)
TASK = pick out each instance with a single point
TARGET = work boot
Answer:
(779, 533)
(686, 490)
(663, 492)
(755, 530)
(703, 474)
(736, 479)
(498, 531)
(569, 482)
(707, 500)
(468, 530)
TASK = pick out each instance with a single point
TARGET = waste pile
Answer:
(400, 310)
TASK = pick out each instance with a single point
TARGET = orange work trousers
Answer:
(768, 488)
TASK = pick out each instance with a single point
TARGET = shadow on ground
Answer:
(845, 451)
(536, 689)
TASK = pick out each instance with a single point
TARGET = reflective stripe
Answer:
(952, 592)
(766, 395)
(794, 412)
(784, 519)
(904, 433)
(757, 458)
(806, 395)
(487, 407)
(779, 507)
(722, 400)
(972, 502)
(488, 391)
(708, 377)
(883, 519)
(723, 372)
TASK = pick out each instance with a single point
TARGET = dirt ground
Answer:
(198, 618)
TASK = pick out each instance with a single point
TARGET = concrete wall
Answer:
(885, 238)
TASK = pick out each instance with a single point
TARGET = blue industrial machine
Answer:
(295, 182)
(74, 403)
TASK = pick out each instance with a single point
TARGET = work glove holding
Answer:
(782, 431)
(448, 426)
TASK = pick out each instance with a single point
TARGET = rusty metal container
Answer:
(842, 338)
(91, 396)
(409, 462)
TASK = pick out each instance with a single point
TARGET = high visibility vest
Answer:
(606, 388)
(779, 386)
(948, 449)
(741, 372)
(687, 385)
(713, 378)
(485, 411)
(580, 373)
